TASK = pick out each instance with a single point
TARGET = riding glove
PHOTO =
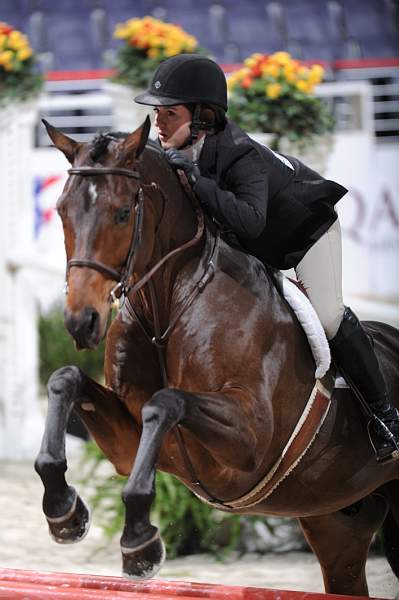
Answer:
(179, 161)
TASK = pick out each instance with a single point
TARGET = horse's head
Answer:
(101, 212)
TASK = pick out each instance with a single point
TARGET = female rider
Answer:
(281, 211)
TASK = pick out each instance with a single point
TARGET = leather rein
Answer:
(123, 288)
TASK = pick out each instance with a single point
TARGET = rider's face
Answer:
(173, 125)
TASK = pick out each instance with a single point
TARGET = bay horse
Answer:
(207, 373)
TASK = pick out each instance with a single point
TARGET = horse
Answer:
(207, 373)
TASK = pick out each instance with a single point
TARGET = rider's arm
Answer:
(242, 205)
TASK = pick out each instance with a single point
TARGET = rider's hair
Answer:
(211, 116)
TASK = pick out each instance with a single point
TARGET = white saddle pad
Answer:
(309, 321)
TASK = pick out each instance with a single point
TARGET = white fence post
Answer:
(20, 417)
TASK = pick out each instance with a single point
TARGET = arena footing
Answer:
(18, 584)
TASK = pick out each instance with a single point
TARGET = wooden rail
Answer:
(18, 584)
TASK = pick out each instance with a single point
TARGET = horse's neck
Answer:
(177, 217)
(177, 224)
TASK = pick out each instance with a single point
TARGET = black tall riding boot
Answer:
(354, 355)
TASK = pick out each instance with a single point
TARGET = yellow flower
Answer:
(250, 62)
(171, 50)
(191, 43)
(304, 86)
(270, 69)
(121, 32)
(149, 34)
(24, 53)
(316, 74)
(234, 78)
(16, 40)
(303, 72)
(273, 90)
(282, 58)
(291, 77)
(6, 57)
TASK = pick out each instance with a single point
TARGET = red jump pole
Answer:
(18, 584)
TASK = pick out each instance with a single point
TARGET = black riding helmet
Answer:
(186, 79)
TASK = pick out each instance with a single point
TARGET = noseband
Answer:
(122, 278)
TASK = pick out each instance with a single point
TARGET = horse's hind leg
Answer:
(390, 528)
(69, 387)
(341, 543)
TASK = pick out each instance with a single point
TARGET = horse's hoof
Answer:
(73, 526)
(144, 561)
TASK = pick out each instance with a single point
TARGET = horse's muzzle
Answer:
(84, 327)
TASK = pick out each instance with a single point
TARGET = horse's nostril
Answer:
(93, 318)
(84, 327)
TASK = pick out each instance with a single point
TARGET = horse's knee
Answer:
(48, 467)
(166, 406)
(66, 380)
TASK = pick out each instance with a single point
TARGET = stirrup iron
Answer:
(380, 429)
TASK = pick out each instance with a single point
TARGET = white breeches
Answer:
(320, 273)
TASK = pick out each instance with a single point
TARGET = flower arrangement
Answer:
(275, 94)
(148, 41)
(18, 78)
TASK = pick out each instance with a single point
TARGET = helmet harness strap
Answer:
(196, 124)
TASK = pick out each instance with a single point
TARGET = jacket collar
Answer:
(207, 161)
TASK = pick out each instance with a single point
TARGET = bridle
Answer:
(122, 277)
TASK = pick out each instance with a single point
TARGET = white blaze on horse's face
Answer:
(93, 194)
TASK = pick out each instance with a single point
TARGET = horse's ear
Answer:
(136, 141)
(145, 132)
(61, 141)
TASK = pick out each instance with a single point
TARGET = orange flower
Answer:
(5, 28)
(256, 70)
(246, 82)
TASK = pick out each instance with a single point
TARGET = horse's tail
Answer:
(390, 541)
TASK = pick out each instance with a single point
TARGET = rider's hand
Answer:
(179, 161)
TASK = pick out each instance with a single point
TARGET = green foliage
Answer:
(19, 85)
(56, 349)
(187, 525)
(19, 79)
(275, 94)
(294, 116)
(146, 42)
(133, 68)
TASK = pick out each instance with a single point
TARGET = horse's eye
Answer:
(122, 214)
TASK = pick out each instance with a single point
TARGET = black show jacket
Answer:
(277, 213)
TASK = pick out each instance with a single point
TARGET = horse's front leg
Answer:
(210, 417)
(111, 425)
(142, 549)
(66, 514)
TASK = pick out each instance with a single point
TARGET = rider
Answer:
(280, 210)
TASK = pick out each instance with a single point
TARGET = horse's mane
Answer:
(100, 143)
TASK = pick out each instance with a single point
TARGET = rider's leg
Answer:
(320, 273)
